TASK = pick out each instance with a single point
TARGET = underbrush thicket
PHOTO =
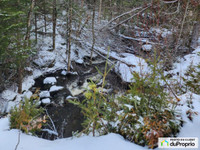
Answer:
(151, 113)
(192, 81)
(141, 115)
(27, 116)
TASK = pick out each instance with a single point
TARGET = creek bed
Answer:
(67, 117)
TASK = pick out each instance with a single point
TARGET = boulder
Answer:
(44, 94)
(46, 101)
(49, 80)
(55, 88)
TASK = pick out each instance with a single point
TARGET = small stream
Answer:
(67, 117)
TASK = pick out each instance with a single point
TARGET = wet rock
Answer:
(76, 90)
(63, 43)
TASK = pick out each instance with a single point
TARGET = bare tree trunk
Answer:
(20, 77)
(182, 27)
(69, 39)
(195, 34)
(27, 41)
(80, 30)
(45, 19)
(100, 6)
(54, 23)
(111, 13)
(36, 28)
(93, 34)
(19, 67)
(82, 3)
(29, 20)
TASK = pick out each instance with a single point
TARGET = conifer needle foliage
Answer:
(27, 117)
(142, 115)
(192, 79)
(151, 113)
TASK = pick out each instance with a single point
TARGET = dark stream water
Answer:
(67, 117)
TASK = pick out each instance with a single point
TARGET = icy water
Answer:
(67, 117)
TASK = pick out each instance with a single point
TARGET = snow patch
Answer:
(163, 32)
(70, 97)
(190, 128)
(9, 106)
(45, 59)
(124, 71)
(9, 95)
(136, 64)
(64, 72)
(79, 61)
(55, 88)
(44, 94)
(28, 94)
(9, 139)
(147, 47)
(46, 101)
(50, 80)
(183, 64)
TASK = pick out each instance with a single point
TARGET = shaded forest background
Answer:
(20, 24)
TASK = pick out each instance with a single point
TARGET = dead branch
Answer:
(18, 139)
(131, 17)
(86, 21)
(177, 10)
(139, 40)
(183, 22)
(134, 9)
(169, 2)
(54, 128)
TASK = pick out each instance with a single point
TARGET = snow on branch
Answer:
(139, 40)
(126, 13)
(131, 17)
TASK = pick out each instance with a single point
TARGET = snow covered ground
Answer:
(9, 138)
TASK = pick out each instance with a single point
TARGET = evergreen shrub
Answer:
(27, 117)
